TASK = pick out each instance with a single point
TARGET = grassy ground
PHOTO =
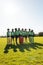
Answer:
(26, 54)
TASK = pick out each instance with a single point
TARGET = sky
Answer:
(21, 14)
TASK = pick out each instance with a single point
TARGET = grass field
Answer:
(26, 54)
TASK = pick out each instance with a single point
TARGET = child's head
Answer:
(18, 29)
(15, 29)
(22, 29)
(25, 29)
(29, 29)
(8, 29)
(12, 30)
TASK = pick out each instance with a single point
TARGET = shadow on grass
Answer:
(23, 46)
(10, 46)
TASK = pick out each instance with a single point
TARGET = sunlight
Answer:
(10, 9)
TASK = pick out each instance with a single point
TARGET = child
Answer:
(16, 35)
(29, 35)
(12, 35)
(25, 35)
(21, 37)
(32, 36)
(8, 36)
(9, 44)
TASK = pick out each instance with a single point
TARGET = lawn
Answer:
(26, 54)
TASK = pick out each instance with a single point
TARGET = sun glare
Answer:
(10, 9)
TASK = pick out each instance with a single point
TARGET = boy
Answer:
(25, 35)
(12, 35)
(9, 44)
(16, 35)
(32, 36)
(8, 36)
(29, 35)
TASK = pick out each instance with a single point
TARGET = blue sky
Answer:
(21, 13)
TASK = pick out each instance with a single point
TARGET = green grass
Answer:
(26, 54)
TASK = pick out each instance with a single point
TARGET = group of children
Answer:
(21, 34)
(18, 34)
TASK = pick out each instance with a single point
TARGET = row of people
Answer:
(19, 33)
